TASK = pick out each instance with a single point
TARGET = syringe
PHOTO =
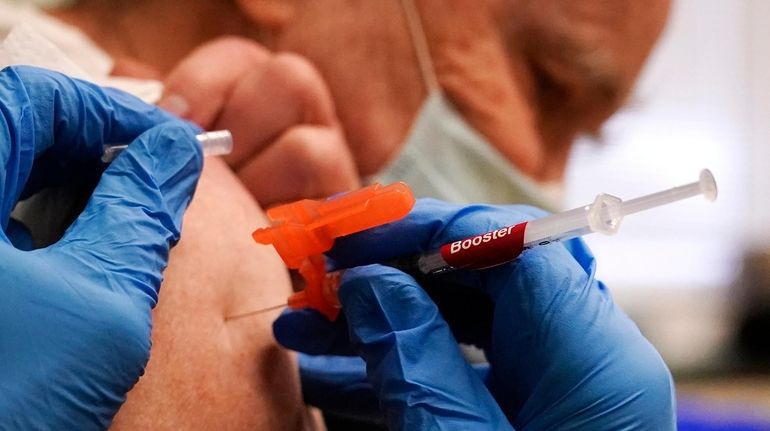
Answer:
(216, 143)
(503, 245)
(604, 215)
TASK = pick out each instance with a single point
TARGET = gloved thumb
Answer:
(412, 359)
(19, 235)
(135, 214)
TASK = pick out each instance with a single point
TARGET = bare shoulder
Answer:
(205, 373)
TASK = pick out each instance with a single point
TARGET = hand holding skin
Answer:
(288, 142)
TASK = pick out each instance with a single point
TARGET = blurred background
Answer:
(695, 275)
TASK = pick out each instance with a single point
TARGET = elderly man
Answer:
(524, 76)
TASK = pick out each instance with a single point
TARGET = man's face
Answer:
(585, 55)
(574, 61)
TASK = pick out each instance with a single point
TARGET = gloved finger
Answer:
(305, 162)
(339, 385)
(135, 214)
(582, 254)
(462, 296)
(413, 361)
(19, 235)
(308, 331)
(58, 120)
(430, 224)
(544, 305)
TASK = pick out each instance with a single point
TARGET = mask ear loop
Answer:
(420, 43)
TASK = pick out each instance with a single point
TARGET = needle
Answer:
(251, 313)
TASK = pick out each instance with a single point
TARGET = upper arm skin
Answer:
(205, 373)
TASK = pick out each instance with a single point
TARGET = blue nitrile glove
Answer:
(75, 317)
(562, 355)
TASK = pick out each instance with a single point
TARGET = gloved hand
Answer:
(561, 353)
(75, 317)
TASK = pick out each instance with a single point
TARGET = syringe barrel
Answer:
(502, 245)
(557, 227)
(602, 215)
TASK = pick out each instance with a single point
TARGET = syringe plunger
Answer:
(606, 212)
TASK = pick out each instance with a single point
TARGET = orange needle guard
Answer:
(302, 231)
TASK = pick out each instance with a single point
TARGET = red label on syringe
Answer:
(487, 249)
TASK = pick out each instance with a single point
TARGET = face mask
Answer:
(445, 158)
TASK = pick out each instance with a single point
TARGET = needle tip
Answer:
(254, 312)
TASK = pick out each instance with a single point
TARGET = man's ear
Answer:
(272, 14)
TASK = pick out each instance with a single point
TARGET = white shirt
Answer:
(33, 38)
